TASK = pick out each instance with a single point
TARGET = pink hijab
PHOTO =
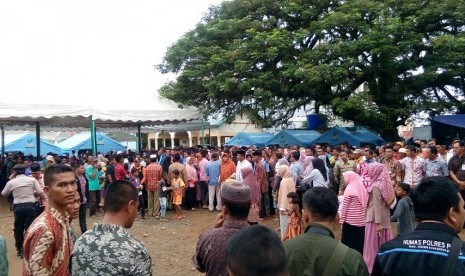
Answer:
(249, 179)
(308, 165)
(355, 187)
(302, 157)
(379, 177)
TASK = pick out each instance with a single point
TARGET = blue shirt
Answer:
(93, 182)
(435, 167)
(213, 171)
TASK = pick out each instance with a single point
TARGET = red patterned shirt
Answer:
(47, 246)
(153, 173)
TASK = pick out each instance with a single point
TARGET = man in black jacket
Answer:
(429, 249)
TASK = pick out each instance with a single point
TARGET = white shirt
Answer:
(317, 178)
(23, 188)
(239, 166)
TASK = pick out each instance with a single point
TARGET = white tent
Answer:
(162, 111)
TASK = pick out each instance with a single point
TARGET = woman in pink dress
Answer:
(378, 225)
(249, 179)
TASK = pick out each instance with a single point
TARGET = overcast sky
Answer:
(89, 51)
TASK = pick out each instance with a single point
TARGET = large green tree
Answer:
(270, 58)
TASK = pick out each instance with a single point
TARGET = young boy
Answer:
(404, 213)
(177, 185)
(136, 182)
(163, 197)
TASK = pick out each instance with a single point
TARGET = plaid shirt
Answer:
(154, 171)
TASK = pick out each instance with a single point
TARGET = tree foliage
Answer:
(270, 58)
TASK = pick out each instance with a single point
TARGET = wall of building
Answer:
(219, 134)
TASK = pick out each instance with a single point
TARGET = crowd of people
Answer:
(303, 189)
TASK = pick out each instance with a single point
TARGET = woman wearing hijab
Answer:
(249, 179)
(378, 225)
(308, 165)
(227, 167)
(318, 176)
(192, 179)
(352, 215)
(286, 186)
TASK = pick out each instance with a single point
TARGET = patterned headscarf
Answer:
(355, 187)
(379, 177)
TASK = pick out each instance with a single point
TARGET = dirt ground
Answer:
(171, 244)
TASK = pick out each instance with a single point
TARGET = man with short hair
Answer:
(393, 165)
(210, 253)
(256, 250)
(154, 173)
(317, 252)
(81, 188)
(296, 166)
(433, 248)
(47, 245)
(432, 142)
(442, 152)
(413, 167)
(203, 179)
(434, 166)
(120, 171)
(92, 175)
(241, 163)
(23, 189)
(213, 172)
(262, 182)
(120, 253)
(456, 166)
(343, 165)
(110, 171)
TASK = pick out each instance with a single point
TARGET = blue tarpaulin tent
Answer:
(26, 143)
(446, 127)
(294, 137)
(246, 139)
(355, 136)
(82, 140)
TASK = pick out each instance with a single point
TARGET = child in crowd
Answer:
(177, 185)
(294, 226)
(136, 182)
(404, 213)
(163, 197)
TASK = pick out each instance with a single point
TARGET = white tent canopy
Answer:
(163, 112)
(45, 114)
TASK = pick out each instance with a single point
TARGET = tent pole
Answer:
(139, 143)
(203, 133)
(3, 140)
(38, 139)
(93, 137)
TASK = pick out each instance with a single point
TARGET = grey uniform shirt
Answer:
(23, 189)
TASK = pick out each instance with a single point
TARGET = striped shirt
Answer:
(352, 212)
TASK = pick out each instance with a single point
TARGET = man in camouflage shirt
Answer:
(109, 249)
